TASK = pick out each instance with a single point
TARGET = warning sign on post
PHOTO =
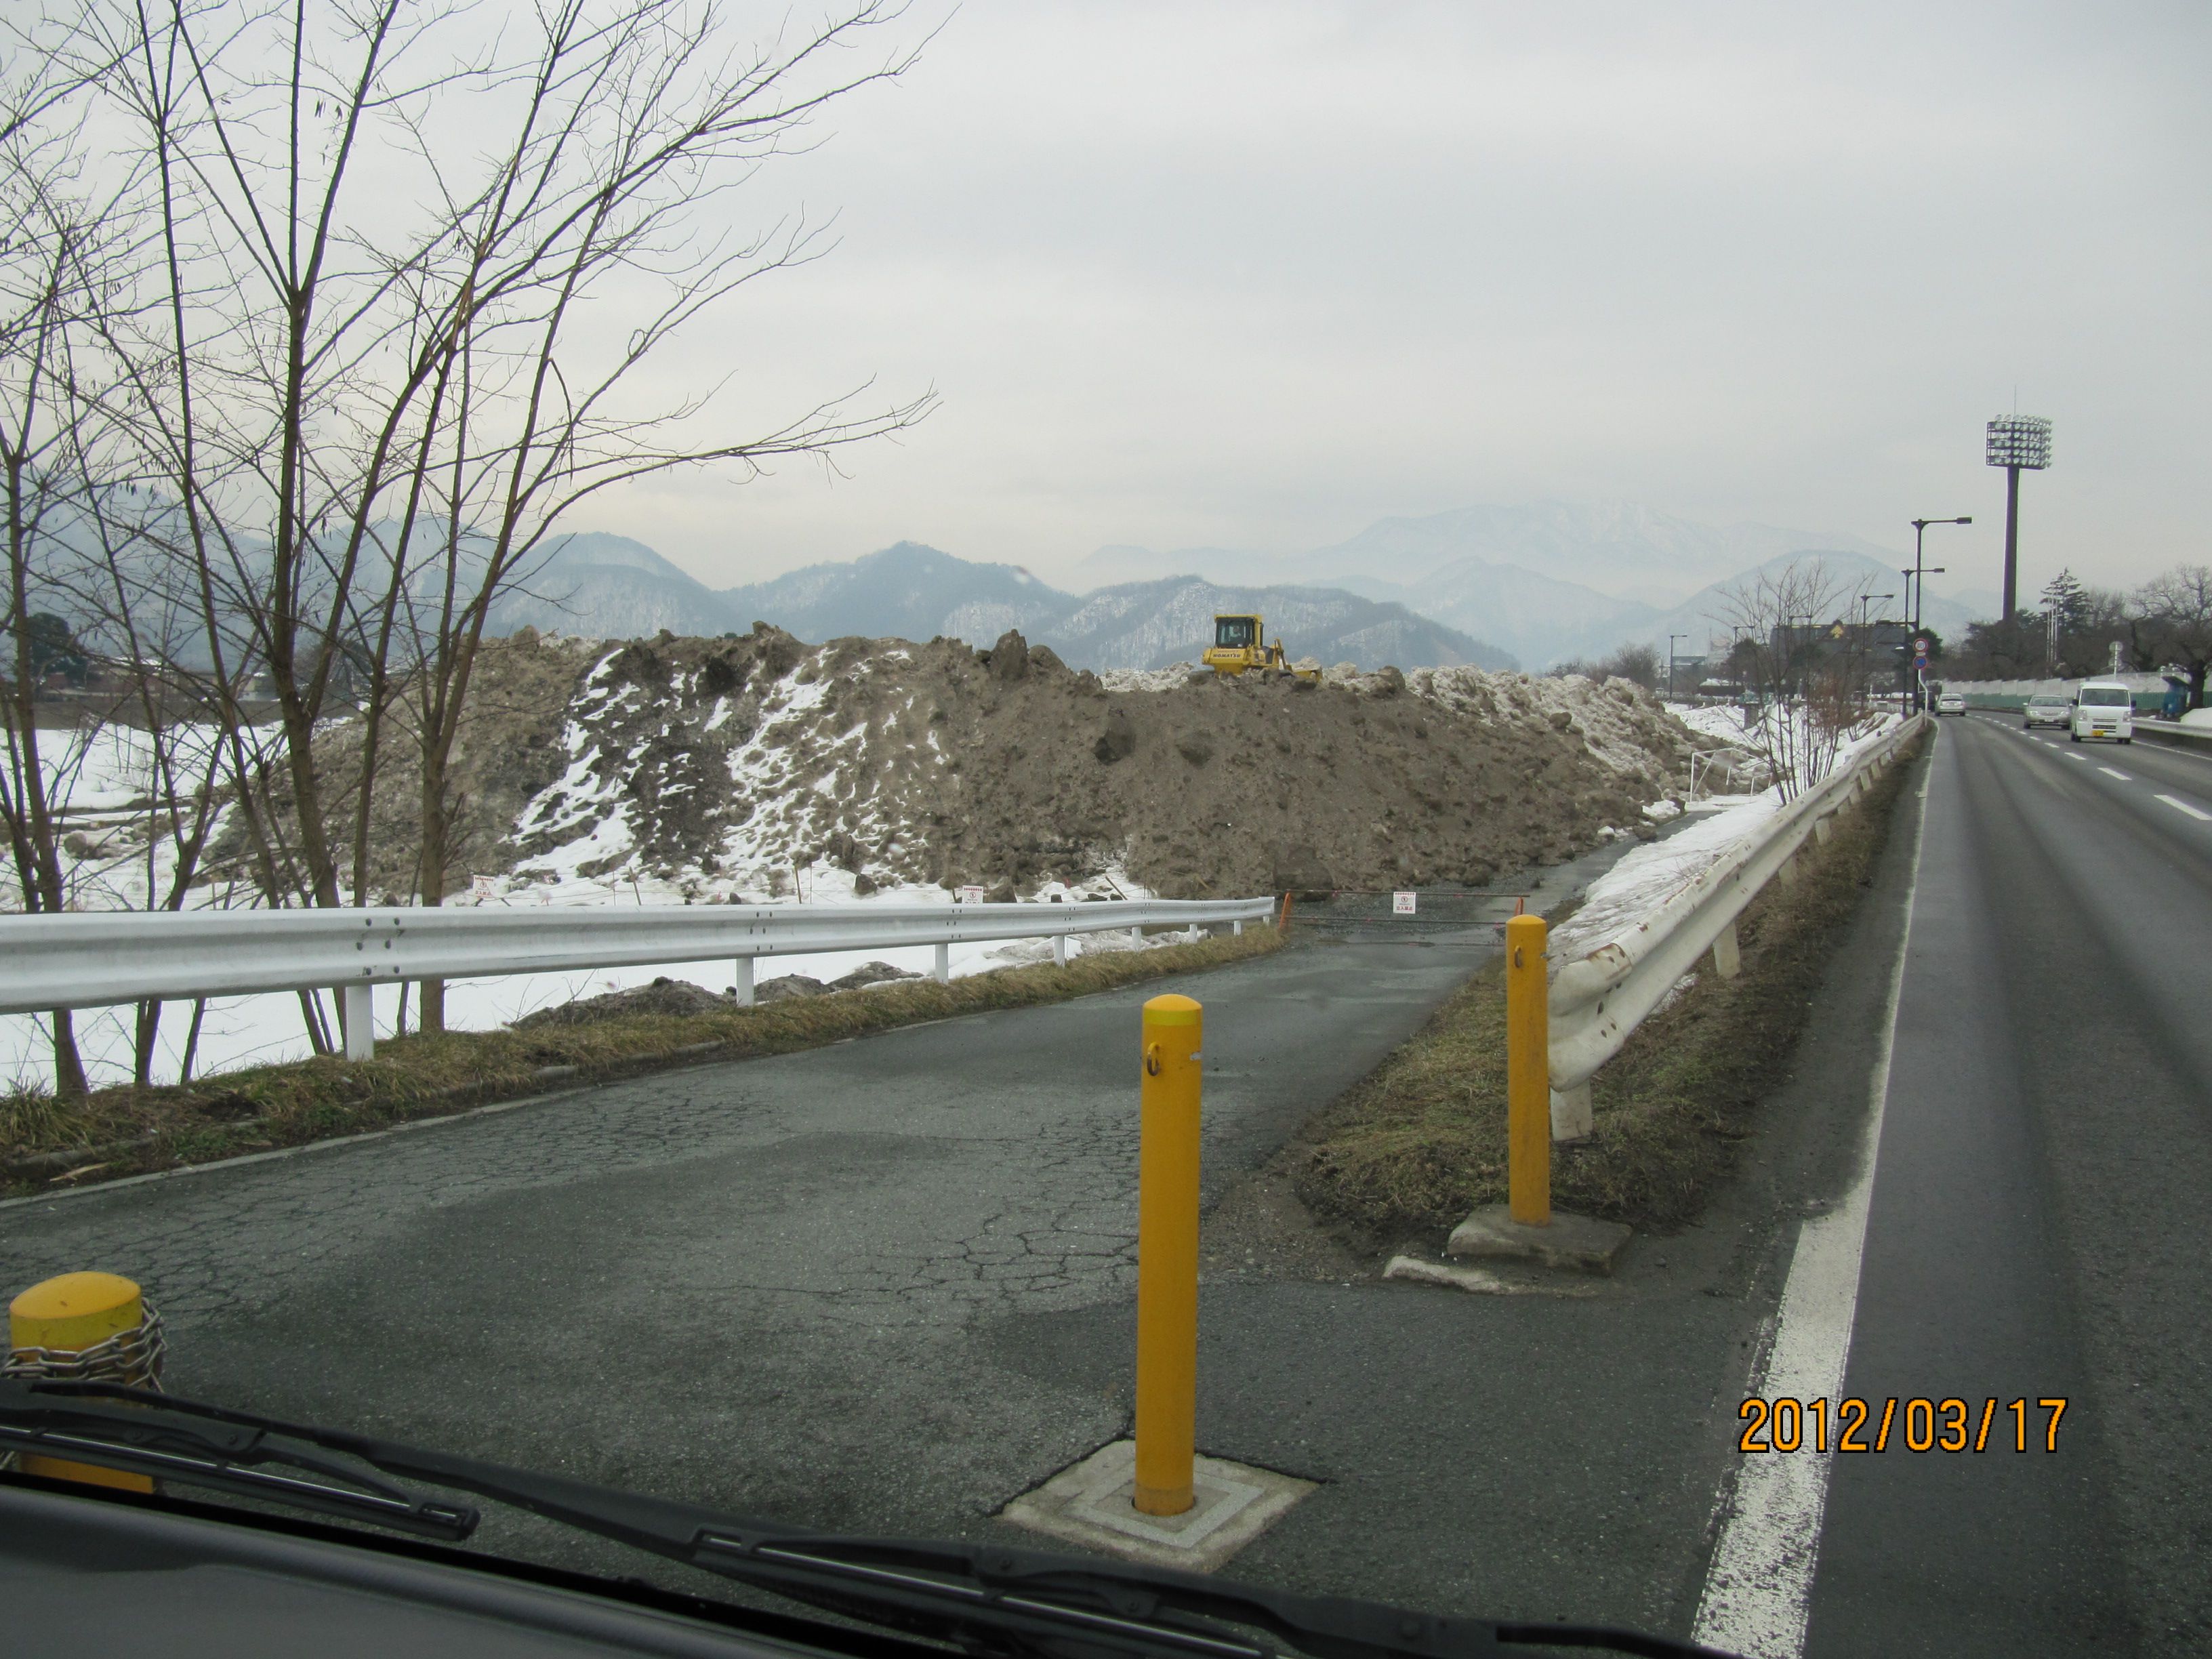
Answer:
(971, 895)
(1402, 904)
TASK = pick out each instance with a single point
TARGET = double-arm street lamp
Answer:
(1914, 595)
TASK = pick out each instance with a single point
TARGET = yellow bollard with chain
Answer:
(95, 1326)
(1167, 1256)
(1527, 1073)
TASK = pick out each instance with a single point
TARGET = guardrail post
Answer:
(1237, 928)
(1571, 1114)
(1527, 1073)
(1167, 1254)
(1786, 871)
(360, 1022)
(743, 990)
(1060, 949)
(1727, 959)
(1824, 829)
(58, 1319)
(943, 971)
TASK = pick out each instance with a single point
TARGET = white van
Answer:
(2103, 708)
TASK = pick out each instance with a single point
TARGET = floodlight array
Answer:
(2022, 440)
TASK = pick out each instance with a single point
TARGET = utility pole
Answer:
(1671, 638)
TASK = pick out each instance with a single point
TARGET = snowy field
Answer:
(264, 1030)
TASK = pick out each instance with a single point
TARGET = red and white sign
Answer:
(1402, 904)
(971, 895)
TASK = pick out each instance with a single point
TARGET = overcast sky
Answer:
(1255, 275)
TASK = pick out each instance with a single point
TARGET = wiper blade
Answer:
(244, 1460)
(981, 1593)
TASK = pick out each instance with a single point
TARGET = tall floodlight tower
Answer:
(2017, 443)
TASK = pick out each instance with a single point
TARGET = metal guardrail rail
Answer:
(101, 958)
(1598, 999)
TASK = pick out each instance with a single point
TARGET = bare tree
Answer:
(1796, 651)
(51, 246)
(412, 279)
(2176, 609)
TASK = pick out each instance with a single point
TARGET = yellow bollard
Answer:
(66, 1316)
(1527, 1073)
(1167, 1256)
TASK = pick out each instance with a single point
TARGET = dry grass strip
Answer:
(1416, 1145)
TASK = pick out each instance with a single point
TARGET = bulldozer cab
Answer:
(1236, 633)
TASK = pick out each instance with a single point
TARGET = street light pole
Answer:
(1671, 638)
(1920, 570)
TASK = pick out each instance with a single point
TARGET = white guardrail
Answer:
(95, 959)
(1599, 999)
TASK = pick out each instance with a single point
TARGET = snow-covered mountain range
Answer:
(1489, 585)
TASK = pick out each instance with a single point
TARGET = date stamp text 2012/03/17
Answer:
(1853, 1425)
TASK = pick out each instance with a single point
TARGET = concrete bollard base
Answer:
(1091, 1504)
(1571, 1241)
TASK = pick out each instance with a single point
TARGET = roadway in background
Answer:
(2038, 1215)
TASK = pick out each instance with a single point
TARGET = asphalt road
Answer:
(2037, 1224)
(887, 1287)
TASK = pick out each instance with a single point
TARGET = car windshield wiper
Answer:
(986, 1595)
(242, 1457)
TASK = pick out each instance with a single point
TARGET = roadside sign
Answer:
(971, 895)
(1920, 649)
(1402, 904)
(480, 888)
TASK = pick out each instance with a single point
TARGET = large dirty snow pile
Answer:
(746, 767)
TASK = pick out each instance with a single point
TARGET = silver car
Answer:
(2045, 708)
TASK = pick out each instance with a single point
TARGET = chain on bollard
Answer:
(87, 1326)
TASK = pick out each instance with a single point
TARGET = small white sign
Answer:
(971, 895)
(1402, 904)
(480, 888)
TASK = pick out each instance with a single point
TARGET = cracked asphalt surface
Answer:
(888, 1285)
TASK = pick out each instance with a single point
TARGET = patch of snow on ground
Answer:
(1622, 899)
(1171, 679)
(1710, 719)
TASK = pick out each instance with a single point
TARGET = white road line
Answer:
(2183, 807)
(2070, 754)
(2109, 773)
(1758, 1587)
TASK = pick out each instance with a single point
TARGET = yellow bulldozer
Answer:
(1241, 645)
